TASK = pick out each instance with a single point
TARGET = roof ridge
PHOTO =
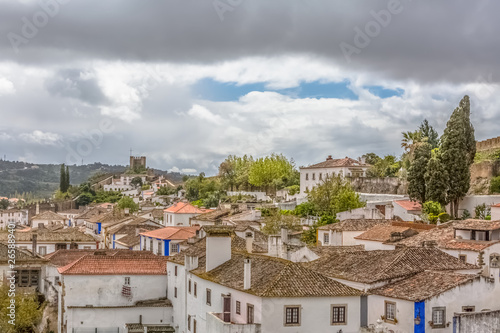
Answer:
(276, 279)
(70, 265)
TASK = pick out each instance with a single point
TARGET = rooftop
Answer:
(177, 233)
(409, 205)
(382, 265)
(22, 256)
(354, 225)
(48, 215)
(424, 285)
(472, 224)
(336, 163)
(383, 233)
(185, 208)
(45, 235)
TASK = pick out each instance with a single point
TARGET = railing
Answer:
(215, 324)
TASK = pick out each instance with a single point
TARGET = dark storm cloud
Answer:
(73, 83)
(429, 41)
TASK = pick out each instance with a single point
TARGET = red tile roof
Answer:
(496, 206)
(182, 233)
(116, 265)
(409, 205)
(335, 163)
(185, 208)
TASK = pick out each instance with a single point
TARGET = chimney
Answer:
(191, 262)
(218, 248)
(37, 210)
(34, 238)
(249, 242)
(126, 211)
(389, 212)
(284, 235)
(247, 283)
(329, 158)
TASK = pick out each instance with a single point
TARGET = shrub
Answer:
(495, 185)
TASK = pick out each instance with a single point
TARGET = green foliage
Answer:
(234, 171)
(416, 173)
(28, 311)
(127, 202)
(384, 167)
(482, 211)
(275, 221)
(495, 185)
(410, 142)
(274, 171)
(64, 179)
(433, 211)
(136, 182)
(294, 189)
(107, 196)
(458, 148)
(333, 196)
(310, 236)
(436, 179)
(197, 203)
(429, 134)
(203, 188)
(371, 158)
(85, 199)
(466, 215)
(305, 209)
(60, 196)
(4, 204)
(166, 190)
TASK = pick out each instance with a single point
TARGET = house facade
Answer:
(17, 216)
(167, 241)
(313, 175)
(180, 213)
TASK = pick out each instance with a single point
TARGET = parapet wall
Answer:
(490, 144)
(388, 185)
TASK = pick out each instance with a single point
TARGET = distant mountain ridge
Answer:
(43, 179)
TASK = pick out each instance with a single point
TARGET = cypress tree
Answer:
(458, 150)
(436, 179)
(62, 179)
(416, 172)
(67, 178)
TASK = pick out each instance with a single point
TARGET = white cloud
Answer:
(5, 137)
(189, 171)
(6, 87)
(41, 138)
(200, 112)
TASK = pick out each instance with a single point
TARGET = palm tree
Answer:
(410, 141)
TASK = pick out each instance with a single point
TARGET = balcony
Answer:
(215, 324)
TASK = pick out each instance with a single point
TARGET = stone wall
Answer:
(477, 322)
(387, 185)
(488, 145)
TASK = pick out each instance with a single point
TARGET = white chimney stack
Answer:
(284, 235)
(218, 248)
(247, 283)
(249, 242)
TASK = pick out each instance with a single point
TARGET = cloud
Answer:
(6, 87)
(200, 112)
(41, 138)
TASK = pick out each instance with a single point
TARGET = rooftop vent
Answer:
(329, 158)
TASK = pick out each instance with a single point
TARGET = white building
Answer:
(343, 233)
(214, 289)
(179, 213)
(407, 210)
(46, 219)
(167, 241)
(70, 216)
(29, 270)
(124, 183)
(17, 216)
(495, 212)
(114, 292)
(312, 175)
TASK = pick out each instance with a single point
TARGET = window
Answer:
(127, 281)
(189, 287)
(320, 176)
(439, 317)
(174, 248)
(42, 250)
(292, 315)
(175, 271)
(238, 307)
(189, 322)
(27, 278)
(463, 257)
(60, 246)
(175, 292)
(209, 296)
(339, 314)
(314, 176)
(390, 311)
(307, 176)
(158, 251)
(194, 325)
(151, 245)
(326, 238)
(468, 308)
(195, 291)
(250, 314)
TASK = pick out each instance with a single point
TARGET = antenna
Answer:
(130, 151)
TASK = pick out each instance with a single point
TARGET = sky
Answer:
(188, 82)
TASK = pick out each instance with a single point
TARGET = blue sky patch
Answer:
(383, 92)
(212, 90)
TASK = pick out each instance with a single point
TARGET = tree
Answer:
(136, 182)
(67, 182)
(410, 141)
(385, 167)
(427, 131)
(494, 185)
(433, 211)
(64, 180)
(458, 150)
(371, 158)
(334, 195)
(27, 309)
(276, 221)
(84, 199)
(436, 179)
(4, 204)
(273, 172)
(128, 202)
(416, 173)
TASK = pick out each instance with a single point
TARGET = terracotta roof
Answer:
(48, 215)
(335, 163)
(22, 256)
(332, 250)
(443, 236)
(44, 235)
(496, 206)
(409, 205)
(157, 213)
(214, 216)
(383, 232)
(61, 258)
(274, 277)
(354, 225)
(472, 224)
(185, 208)
(92, 212)
(424, 285)
(116, 265)
(382, 265)
(177, 232)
